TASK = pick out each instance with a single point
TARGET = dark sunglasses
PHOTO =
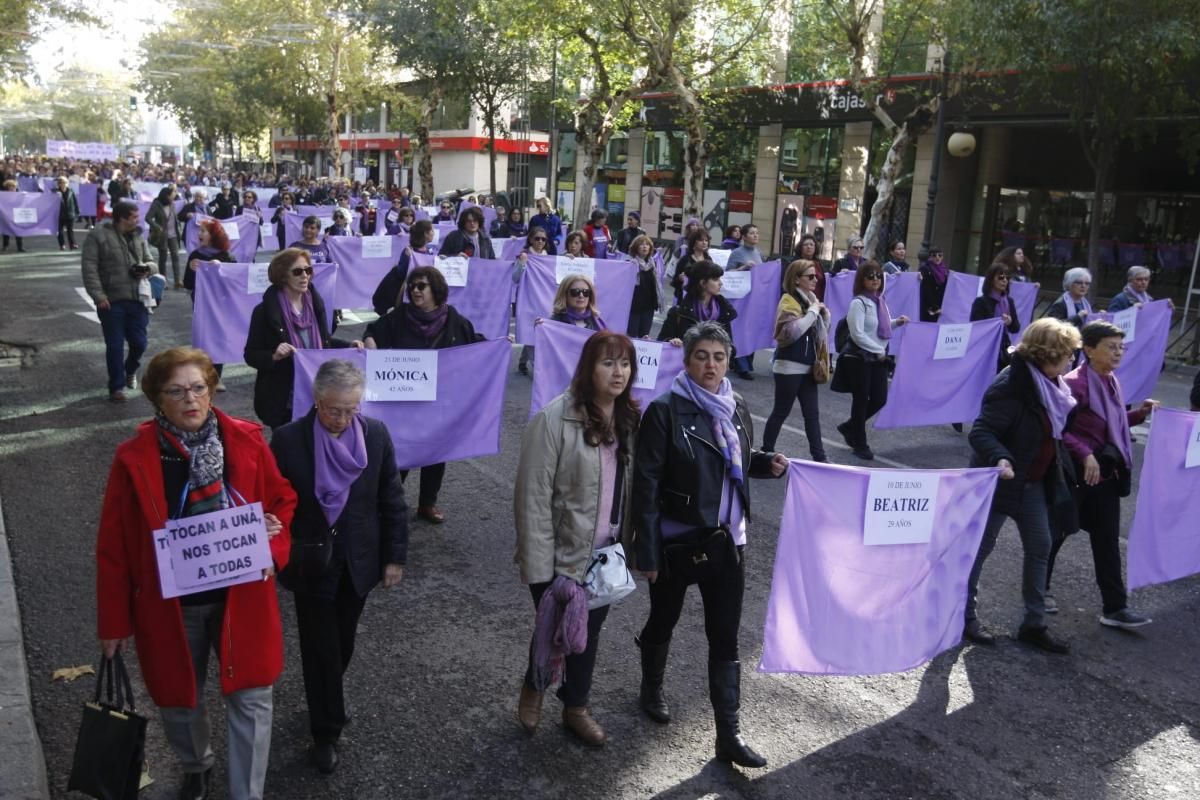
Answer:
(539, 239)
(873, 276)
(420, 286)
(580, 292)
(857, 247)
(298, 271)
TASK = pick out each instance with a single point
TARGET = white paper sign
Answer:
(209, 551)
(1193, 448)
(565, 265)
(454, 268)
(649, 355)
(979, 288)
(376, 246)
(735, 285)
(901, 506)
(401, 375)
(24, 216)
(266, 230)
(1127, 321)
(952, 341)
(719, 257)
(231, 229)
(257, 281)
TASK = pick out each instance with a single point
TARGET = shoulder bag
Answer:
(110, 748)
(608, 578)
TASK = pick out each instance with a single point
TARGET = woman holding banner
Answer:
(647, 293)
(1073, 306)
(425, 322)
(469, 240)
(702, 302)
(213, 247)
(10, 185)
(1020, 430)
(190, 460)
(575, 303)
(387, 294)
(691, 503)
(537, 244)
(696, 253)
(995, 303)
(571, 497)
(934, 277)
(1134, 295)
(399, 220)
(287, 205)
(310, 241)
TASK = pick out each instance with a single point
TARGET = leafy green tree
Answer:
(23, 21)
(493, 68)
(81, 105)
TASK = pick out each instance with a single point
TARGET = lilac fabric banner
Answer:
(293, 223)
(962, 289)
(243, 247)
(535, 296)
(29, 213)
(465, 420)
(755, 322)
(86, 197)
(225, 298)
(1144, 350)
(1163, 545)
(364, 260)
(29, 183)
(841, 607)
(483, 300)
(931, 390)
(489, 214)
(559, 346)
(902, 292)
(508, 249)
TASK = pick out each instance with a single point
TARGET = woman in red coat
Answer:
(193, 459)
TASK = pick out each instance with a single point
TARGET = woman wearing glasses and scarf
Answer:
(425, 322)
(702, 302)
(575, 303)
(537, 243)
(1073, 306)
(350, 532)
(290, 317)
(995, 302)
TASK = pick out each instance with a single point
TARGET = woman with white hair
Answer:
(1134, 294)
(853, 258)
(1073, 306)
(341, 224)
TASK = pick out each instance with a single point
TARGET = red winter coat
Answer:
(128, 598)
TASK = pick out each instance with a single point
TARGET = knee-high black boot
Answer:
(654, 667)
(724, 689)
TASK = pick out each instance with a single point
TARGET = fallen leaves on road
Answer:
(69, 674)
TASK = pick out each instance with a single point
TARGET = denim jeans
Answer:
(1033, 523)
(124, 321)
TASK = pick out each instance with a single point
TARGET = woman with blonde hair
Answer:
(575, 303)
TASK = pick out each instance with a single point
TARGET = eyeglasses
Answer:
(420, 286)
(580, 292)
(811, 275)
(446, 208)
(298, 271)
(1114, 347)
(873, 276)
(1001, 278)
(177, 393)
(538, 239)
(333, 412)
(856, 247)
(935, 255)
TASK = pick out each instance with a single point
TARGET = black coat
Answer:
(984, 307)
(189, 275)
(457, 244)
(372, 530)
(679, 472)
(1058, 310)
(1011, 426)
(394, 331)
(681, 317)
(387, 294)
(223, 207)
(932, 294)
(273, 386)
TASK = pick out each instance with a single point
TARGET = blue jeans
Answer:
(124, 321)
(743, 364)
(1033, 523)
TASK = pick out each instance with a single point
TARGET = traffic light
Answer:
(133, 102)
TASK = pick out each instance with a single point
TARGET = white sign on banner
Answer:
(209, 551)
(401, 375)
(257, 281)
(376, 246)
(649, 355)
(266, 230)
(979, 288)
(1127, 321)
(566, 265)
(24, 216)
(231, 229)
(454, 268)
(735, 285)
(719, 257)
(1193, 449)
(901, 506)
(952, 341)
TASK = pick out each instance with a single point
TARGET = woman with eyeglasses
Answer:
(702, 302)
(341, 224)
(287, 205)
(349, 533)
(311, 242)
(513, 226)
(853, 258)
(808, 250)
(647, 292)
(290, 317)
(863, 366)
(389, 289)
(932, 291)
(191, 459)
(469, 240)
(399, 220)
(538, 244)
(445, 212)
(548, 221)
(575, 303)
(1073, 306)
(696, 252)
(425, 322)
(995, 302)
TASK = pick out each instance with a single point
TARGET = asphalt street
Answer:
(434, 682)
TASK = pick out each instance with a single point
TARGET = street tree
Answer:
(493, 69)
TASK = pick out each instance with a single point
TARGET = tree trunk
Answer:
(591, 156)
(1100, 166)
(423, 155)
(490, 121)
(885, 187)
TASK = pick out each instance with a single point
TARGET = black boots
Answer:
(654, 666)
(724, 689)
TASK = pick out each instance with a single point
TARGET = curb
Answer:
(23, 768)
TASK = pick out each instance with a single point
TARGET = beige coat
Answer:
(557, 497)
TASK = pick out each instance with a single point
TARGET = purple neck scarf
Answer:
(720, 408)
(1073, 307)
(704, 313)
(940, 271)
(337, 463)
(307, 320)
(1001, 299)
(1141, 297)
(882, 313)
(427, 323)
(1056, 399)
(1107, 400)
(586, 317)
(205, 251)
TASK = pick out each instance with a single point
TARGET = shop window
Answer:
(811, 161)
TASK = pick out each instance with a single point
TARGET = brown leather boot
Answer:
(529, 709)
(580, 723)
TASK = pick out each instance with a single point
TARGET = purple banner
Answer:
(962, 289)
(1142, 362)
(29, 183)
(86, 197)
(1163, 545)
(483, 300)
(509, 248)
(754, 326)
(902, 292)
(29, 213)
(465, 420)
(559, 346)
(360, 274)
(224, 302)
(243, 248)
(841, 607)
(535, 296)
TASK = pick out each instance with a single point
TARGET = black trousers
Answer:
(327, 630)
(869, 382)
(578, 668)
(640, 323)
(67, 227)
(431, 483)
(789, 389)
(1100, 516)
(722, 597)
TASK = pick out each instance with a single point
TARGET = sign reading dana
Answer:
(213, 550)
(952, 341)
(649, 356)
(401, 376)
(901, 506)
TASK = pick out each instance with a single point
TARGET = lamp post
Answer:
(935, 166)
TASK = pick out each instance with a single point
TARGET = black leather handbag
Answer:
(698, 555)
(112, 739)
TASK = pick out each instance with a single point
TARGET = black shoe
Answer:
(523, 368)
(974, 631)
(654, 667)
(325, 756)
(196, 785)
(1041, 639)
(844, 430)
(865, 453)
(820, 458)
(957, 426)
(724, 689)
(746, 376)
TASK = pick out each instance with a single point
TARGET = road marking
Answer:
(831, 443)
(92, 315)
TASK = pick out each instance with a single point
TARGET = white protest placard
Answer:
(392, 216)
(901, 506)
(266, 229)
(719, 257)
(1193, 449)
(649, 355)
(735, 285)
(455, 269)
(401, 375)
(231, 229)
(1127, 321)
(257, 281)
(24, 216)
(376, 246)
(566, 265)
(952, 341)
(209, 551)
(979, 288)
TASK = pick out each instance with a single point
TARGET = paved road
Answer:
(434, 683)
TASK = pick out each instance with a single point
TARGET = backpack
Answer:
(841, 336)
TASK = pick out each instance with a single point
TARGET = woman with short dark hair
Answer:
(702, 302)
(387, 294)
(995, 302)
(696, 252)
(469, 240)
(934, 277)
(310, 241)
(597, 238)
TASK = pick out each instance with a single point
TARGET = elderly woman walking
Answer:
(1134, 295)
(1073, 306)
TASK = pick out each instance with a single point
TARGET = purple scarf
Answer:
(1001, 303)
(337, 463)
(720, 408)
(427, 323)
(1074, 308)
(1141, 297)
(204, 251)
(306, 321)
(587, 318)
(1056, 399)
(708, 312)
(940, 271)
(1107, 400)
(560, 629)
(882, 313)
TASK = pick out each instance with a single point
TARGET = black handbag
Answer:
(698, 555)
(112, 739)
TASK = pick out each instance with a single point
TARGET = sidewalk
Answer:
(23, 767)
